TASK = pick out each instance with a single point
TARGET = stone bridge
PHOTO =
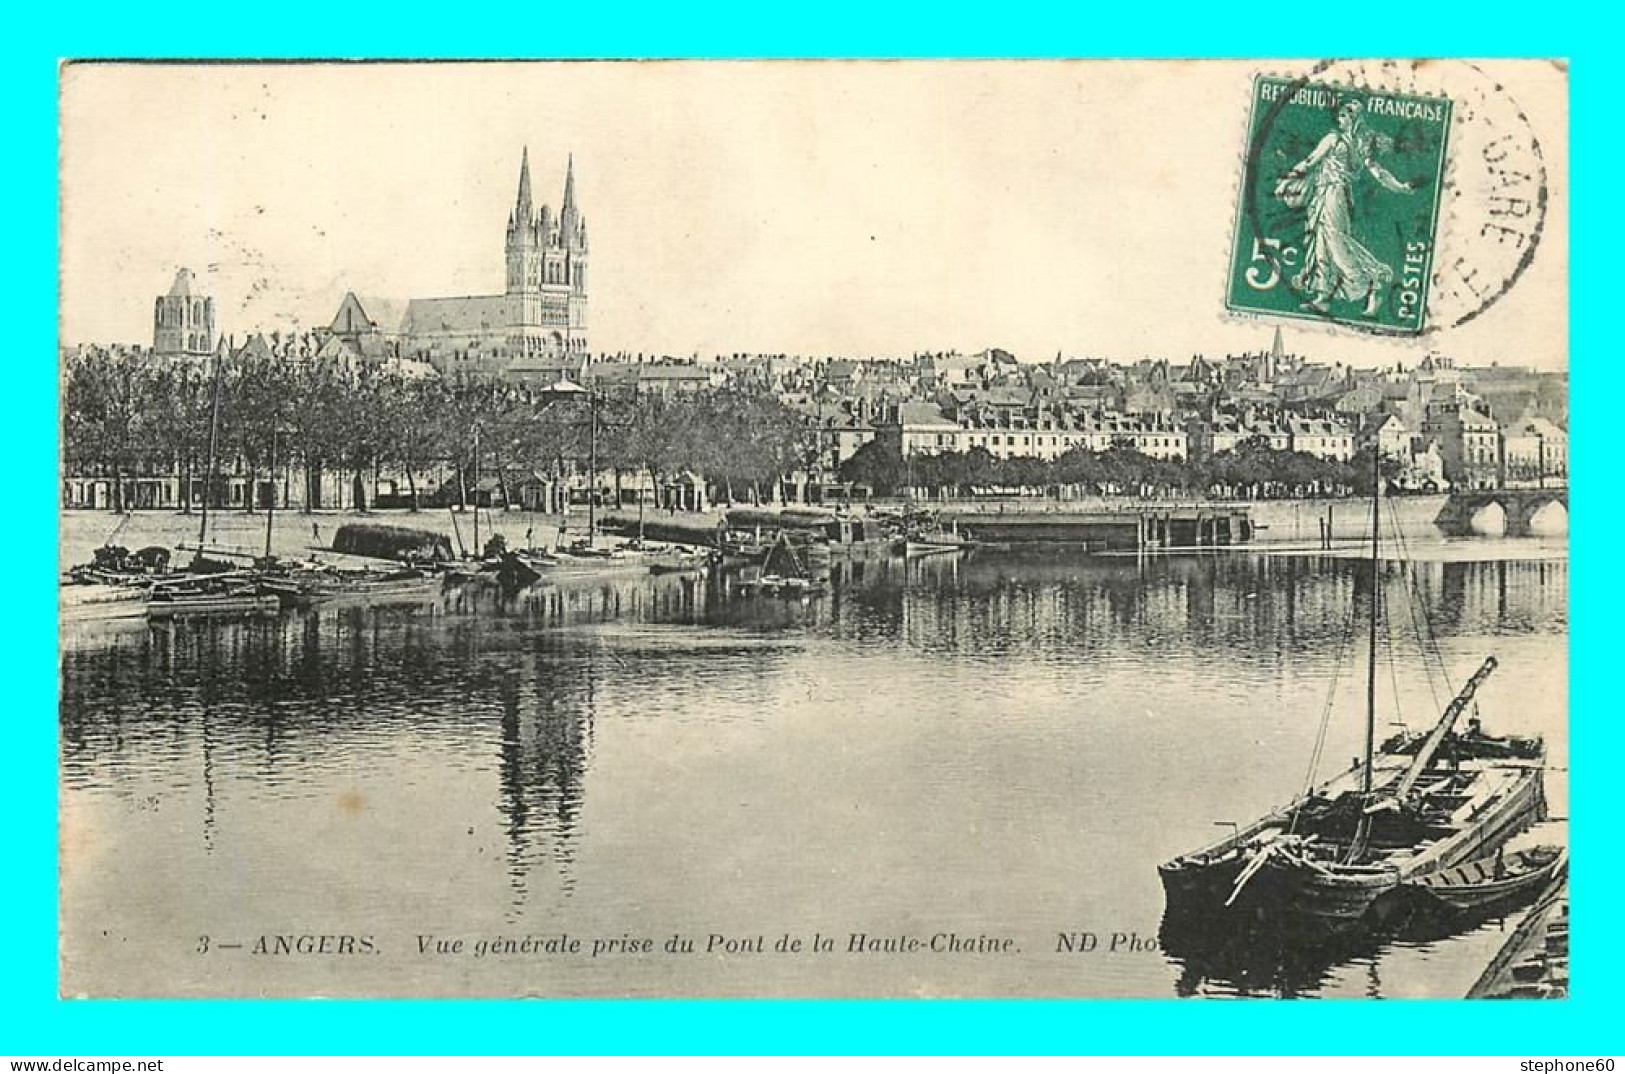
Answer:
(1519, 505)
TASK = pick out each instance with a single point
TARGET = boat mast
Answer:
(592, 464)
(270, 508)
(1441, 730)
(1376, 605)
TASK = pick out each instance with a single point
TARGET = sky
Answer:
(831, 208)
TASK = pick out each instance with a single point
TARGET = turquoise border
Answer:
(32, 1021)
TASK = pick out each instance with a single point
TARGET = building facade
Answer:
(1469, 443)
(1534, 452)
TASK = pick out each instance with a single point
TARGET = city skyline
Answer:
(918, 207)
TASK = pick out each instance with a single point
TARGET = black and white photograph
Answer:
(814, 529)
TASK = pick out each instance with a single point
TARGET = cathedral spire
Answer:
(569, 215)
(1272, 363)
(522, 206)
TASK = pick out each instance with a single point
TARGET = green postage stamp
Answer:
(1339, 205)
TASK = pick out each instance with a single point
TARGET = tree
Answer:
(469, 407)
(411, 435)
(316, 413)
(181, 404)
(106, 413)
(253, 392)
(750, 437)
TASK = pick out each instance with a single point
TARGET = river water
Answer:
(981, 755)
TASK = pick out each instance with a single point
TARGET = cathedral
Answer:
(542, 314)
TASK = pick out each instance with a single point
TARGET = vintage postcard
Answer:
(814, 529)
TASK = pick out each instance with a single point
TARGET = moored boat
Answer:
(787, 570)
(681, 561)
(587, 558)
(1492, 881)
(935, 545)
(222, 602)
(1534, 961)
(776, 585)
(303, 587)
(115, 565)
(96, 602)
(1334, 852)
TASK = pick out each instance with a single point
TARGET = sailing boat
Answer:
(786, 571)
(1419, 805)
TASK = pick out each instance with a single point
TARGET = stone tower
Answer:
(573, 242)
(523, 248)
(182, 321)
(546, 261)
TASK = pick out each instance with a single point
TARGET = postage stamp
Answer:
(1340, 205)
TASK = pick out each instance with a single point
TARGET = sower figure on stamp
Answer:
(1335, 263)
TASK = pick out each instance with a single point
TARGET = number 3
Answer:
(1273, 254)
(202, 945)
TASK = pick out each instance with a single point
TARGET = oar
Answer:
(1279, 843)
(1261, 856)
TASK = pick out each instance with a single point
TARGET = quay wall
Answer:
(1274, 521)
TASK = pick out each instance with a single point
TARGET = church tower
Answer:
(183, 322)
(523, 246)
(572, 242)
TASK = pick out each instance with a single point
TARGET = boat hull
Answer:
(1340, 896)
(921, 549)
(98, 603)
(1203, 882)
(254, 605)
(1199, 888)
(1488, 882)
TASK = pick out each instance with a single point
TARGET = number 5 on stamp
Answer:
(1339, 210)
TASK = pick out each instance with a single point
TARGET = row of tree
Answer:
(126, 414)
(1254, 470)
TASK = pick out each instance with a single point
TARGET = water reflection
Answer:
(1261, 957)
(1271, 956)
(546, 746)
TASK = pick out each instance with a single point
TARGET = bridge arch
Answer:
(1514, 512)
(1551, 519)
(1489, 520)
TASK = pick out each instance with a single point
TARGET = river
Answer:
(913, 786)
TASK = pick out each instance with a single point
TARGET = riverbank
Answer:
(1274, 521)
(1295, 522)
(293, 535)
